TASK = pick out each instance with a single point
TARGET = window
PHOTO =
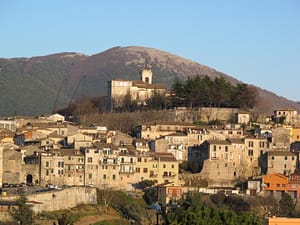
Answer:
(293, 158)
(145, 170)
(272, 157)
(113, 176)
(122, 160)
(47, 164)
(285, 157)
(250, 152)
(172, 166)
(225, 164)
(250, 144)
(261, 144)
(47, 172)
(226, 148)
(137, 170)
(131, 160)
(90, 176)
(104, 176)
(164, 165)
(139, 159)
(90, 159)
(215, 148)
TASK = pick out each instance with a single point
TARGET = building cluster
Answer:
(51, 151)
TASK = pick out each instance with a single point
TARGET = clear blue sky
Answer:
(255, 41)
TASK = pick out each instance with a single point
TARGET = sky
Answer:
(255, 41)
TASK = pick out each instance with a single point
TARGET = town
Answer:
(235, 151)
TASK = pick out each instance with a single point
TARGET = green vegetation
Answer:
(130, 208)
(111, 222)
(205, 92)
(286, 206)
(23, 214)
(195, 209)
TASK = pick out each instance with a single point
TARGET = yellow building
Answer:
(159, 167)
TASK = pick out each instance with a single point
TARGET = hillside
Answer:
(39, 85)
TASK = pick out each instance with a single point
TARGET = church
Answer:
(138, 90)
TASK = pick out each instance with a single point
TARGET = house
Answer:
(141, 145)
(284, 162)
(242, 117)
(281, 138)
(178, 145)
(56, 117)
(6, 136)
(168, 194)
(277, 183)
(8, 123)
(156, 130)
(286, 116)
(159, 167)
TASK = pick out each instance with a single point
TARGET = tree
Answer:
(286, 206)
(150, 195)
(23, 213)
(67, 219)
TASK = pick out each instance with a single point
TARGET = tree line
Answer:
(200, 91)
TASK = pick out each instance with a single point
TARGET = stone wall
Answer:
(60, 199)
(205, 114)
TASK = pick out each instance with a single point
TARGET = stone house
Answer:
(281, 138)
(242, 117)
(73, 167)
(52, 168)
(79, 140)
(157, 130)
(286, 115)
(6, 136)
(141, 145)
(283, 162)
(255, 147)
(178, 145)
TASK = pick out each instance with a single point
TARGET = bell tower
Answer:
(146, 73)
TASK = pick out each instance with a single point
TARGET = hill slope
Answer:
(38, 85)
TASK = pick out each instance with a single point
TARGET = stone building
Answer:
(284, 162)
(136, 90)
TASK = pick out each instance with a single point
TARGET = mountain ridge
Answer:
(40, 84)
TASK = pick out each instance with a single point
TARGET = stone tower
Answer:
(146, 73)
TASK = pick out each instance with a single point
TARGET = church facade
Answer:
(138, 90)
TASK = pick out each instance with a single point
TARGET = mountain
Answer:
(39, 85)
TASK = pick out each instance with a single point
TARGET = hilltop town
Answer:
(232, 150)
